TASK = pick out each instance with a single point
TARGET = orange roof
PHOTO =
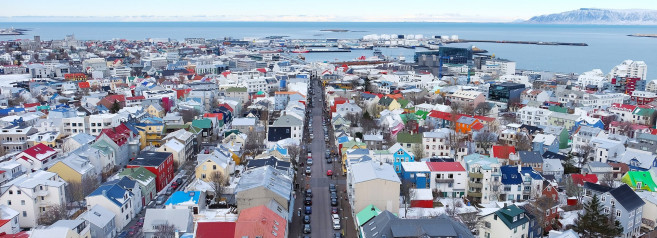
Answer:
(84, 85)
(395, 96)
(259, 221)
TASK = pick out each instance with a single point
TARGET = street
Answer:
(318, 181)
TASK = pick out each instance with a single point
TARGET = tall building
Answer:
(629, 69)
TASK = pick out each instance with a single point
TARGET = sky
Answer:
(299, 10)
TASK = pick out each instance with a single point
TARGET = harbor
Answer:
(644, 35)
(519, 42)
(11, 32)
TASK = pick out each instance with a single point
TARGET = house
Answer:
(176, 149)
(188, 139)
(101, 222)
(531, 159)
(483, 175)
(520, 183)
(622, 202)
(466, 98)
(158, 163)
(373, 141)
(122, 141)
(564, 120)
(75, 169)
(448, 178)
(244, 125)
(218, 162)
(286, 126)
(155, 110)
(188, 200)
(35, 157)
(545, 142)
(640, 180)
(598, 168)
(553, 167)
(583, 136)
(261, 221)
(386, 224)
(580, 179)
(76, 141)
(509, 221)
(146, 181)
(41, 189)
(649, 220)
(534, 116)
(466, 125)
(416, 173)
(400, 154)
(8, 220)
(115, 198)
(372, 183)
(64, 229)
(409, 141)
(214, 229)
(435, 143)
(151, 131)
(181, 219)
(638, 160)
(260, 185)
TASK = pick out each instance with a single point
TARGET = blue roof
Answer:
(112, 192)
(510, 175)
(280, 149)
(342, 139)
(183, 197)
(531, 172)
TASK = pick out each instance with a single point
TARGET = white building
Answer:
(594, 77)
(534, 116)
(436, 143)
(630, 69)
(33, 193)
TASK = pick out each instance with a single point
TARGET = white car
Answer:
(336, 221)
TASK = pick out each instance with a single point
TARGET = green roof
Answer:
(507, 214)
(631, 178)
(403, 102)
(229, 132)
(405, 137)
(421, 114)
(644, 112)
(558, 109)
(202, 123)
(407, 117)
(139, 174)
(236, 90)
(194, 129)
(103, 146)
(177, 126)
(260, 93)
(385, 101)
(366, 214)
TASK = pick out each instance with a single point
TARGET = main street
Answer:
(318, 181)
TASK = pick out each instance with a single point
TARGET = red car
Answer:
(329, 172)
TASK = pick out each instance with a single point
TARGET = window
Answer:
(9, 202)
(22, 202)
(24, 213)
(214, 167)
(11, 192)
(604, 198)
(618, 213)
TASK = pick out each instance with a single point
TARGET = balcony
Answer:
(475, 185)
(443, 180)
(474, 194)
(41, 193)
(475, 175)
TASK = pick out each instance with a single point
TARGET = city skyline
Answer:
(301, 11)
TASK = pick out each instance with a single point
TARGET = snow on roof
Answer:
(175, 145)
(369, 170)
(421, 194)
(415, 166)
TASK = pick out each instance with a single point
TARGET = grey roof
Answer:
(379, 226)
(552, 165)
(83, 138)
(98, 215)
(627, 197)
(370, 170)
(287, 120)
(530, 157)
(388, 225)
(372, 137)
(598, 164)
(587, 131)
(180, 218)
(245, 121)
(267, 177)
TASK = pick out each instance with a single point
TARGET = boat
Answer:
(300, 51)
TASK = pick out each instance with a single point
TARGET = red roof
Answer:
(486, 119)
(119, 134)
(226, 106)
(39, 149)
(225, 73)
(215, 230)
(36, 104)
(180, 93)
(136, 98)
(3, 222)
(115, 97)
(633, 125)
(503, 151)
(262, 70)
(445, 166)
(259, 221)
(579, 179)
(21, 234)
(477, 126)
(440, 115)
(625, 107)
(84, 85)
(219, 116)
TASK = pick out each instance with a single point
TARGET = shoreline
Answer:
(643, 35)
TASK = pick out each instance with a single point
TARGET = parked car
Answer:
(329, 160)
(334, 202)
(332, 187)
(169, 191)
(329, 172)
(308, 201)
(306, 229)
(309, 161)
(337, 235)
(334, 210)
(308, 210)
(334, 195)
(309, 193)
(308, 170)
(306, 219)
(160, 200)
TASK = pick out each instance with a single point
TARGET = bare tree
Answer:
(418, 151)
(585, 151)
(523, 143)
(451, 208)
(408, 192)
(354, 118)
(538, 207)
(608, 119)
(509, 118)
(485, 139)
(572, 189)
(254, 142)
(189, 115)
(470, 220)
(218, 182)
(389, 139)
(482, 109)
(625, 128)
(165, 230)
(77, 191)
(608, 180)
(294, 150)
(52, 214)
(495, 190)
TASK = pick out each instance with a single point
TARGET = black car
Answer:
(308, 201)
(332, 187)
(306, 219)
(337, 235)
(309, 193)
(306, 229)
(334, 202)
(308, 210)
(334, 195)
(329, 160)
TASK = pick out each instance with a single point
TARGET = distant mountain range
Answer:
(599, 16)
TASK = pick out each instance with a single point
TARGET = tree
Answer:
(485, 139)
(18, 58)
(495, 189)
(418, 151)
(254, 142)
(523, 143)
(509, 118)
(585, 151)
(608, 180)
(608, 119)
(470, 219)
(218, 182)
(188, 115)
(77, 191)
(52, 214)
(572, 189)
(115, 107)
(452, 206)
(388, 139)
(165, 230)
(482, 109)
(594, 223)
(294, 150)
(624, 128)
(408, 192)
(354, 118)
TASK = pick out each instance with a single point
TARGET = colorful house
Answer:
(640, 180)
(158, 163)
(400, 155)
(416, 173)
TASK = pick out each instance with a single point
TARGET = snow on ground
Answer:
(419, 212)
(569, 218)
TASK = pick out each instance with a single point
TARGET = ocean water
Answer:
(608, 45)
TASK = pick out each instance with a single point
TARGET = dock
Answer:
(327, 50)
(519, 42)
(644, 35)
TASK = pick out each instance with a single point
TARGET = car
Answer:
(309, 193)
(123, 235)
(169, 191)
(334, 195)
(306, 229)
(337, 235)
(179, 181)
(334, 202)
(308, 210)
(310, 155)
(308, 170)
(306, 219)
(334, 210)
(336, 225)
(329, 172)
(311, 136)
(329, 160)
(309, 161)
(308, 201)
(332, 187)
(160, 200)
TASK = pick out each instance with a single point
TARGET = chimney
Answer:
(519, 167)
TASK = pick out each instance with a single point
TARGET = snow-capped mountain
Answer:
(599, 16)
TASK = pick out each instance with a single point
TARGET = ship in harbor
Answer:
(11, 31)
